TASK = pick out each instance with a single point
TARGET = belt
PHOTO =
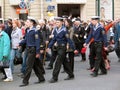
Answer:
(29, 47)
(61, 45)
(97, 42)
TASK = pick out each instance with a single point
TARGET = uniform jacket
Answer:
(98, 34)
(4, 45)
(61, 37)
(32, 39)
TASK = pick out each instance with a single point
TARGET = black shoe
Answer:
(23, 85)
(69, 78)
(52, 80)
(103, 73)
(94, 74)
(40, 81)
(49, 67)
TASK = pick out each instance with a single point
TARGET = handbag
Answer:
(4, 64)
(18, 61)
(83, 50)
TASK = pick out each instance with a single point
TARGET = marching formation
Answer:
(57, 40)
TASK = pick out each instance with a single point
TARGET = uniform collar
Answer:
(31, 29)
(60, 29)
(97, 26)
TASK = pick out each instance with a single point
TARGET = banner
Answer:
(106, 9)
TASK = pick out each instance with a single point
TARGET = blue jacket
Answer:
(117, 32)
(61, 37)
(32, 39)
(98, 33)
(4, 45)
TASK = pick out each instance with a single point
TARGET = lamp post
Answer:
(41, 4)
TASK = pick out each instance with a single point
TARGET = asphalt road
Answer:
(82, 81)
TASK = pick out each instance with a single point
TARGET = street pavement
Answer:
(82, 81)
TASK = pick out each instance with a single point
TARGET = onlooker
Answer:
(117, 39)
(16, 37)
(4, 54)
(8, 28)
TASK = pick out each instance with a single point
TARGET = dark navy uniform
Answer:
(100, 39)
(61, 37)
(32, 41)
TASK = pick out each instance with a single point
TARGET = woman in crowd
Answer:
(70, 51)
(4, 54)
(16, 37)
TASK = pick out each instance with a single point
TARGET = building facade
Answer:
(47, 8)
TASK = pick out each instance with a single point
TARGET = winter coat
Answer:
(4, 46)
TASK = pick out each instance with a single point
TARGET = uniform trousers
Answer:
(99, 62)
(92, 55)
(32, 63)
(61, 59)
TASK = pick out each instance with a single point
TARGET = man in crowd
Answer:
(98, 34)
(61, 38)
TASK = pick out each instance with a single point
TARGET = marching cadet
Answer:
(62, 38)
(98, 34)
(32, 41)
(78, 37)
